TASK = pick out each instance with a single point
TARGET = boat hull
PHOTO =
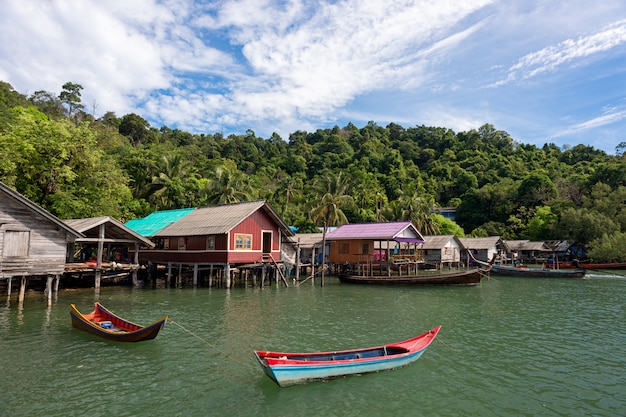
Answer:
(118, 329)
(472, 277)
(298, 368)
(537, 273)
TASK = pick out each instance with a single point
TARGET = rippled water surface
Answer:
(509, 347)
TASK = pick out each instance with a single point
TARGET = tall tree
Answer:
(333, 188)
(228, 185)
(70, 96)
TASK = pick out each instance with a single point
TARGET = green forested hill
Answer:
(60, 157)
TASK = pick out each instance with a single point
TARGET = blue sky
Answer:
(544, 71)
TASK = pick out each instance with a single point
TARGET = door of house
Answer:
(267, 242)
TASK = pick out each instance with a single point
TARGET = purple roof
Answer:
(404, 231)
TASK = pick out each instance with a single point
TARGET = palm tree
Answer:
(334, 189)
(228, 186)
(173, 170)
(420, 211)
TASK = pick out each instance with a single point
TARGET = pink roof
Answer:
(377, 231)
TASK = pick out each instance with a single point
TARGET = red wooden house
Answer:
(224, 236)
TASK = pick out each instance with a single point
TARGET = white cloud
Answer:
(610, 116)
(552, 57)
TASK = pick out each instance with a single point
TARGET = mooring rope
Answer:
(189, 331)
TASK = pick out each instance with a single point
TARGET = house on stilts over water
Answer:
(215, 243)
(33, 243)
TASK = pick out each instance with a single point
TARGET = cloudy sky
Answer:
(544, 71)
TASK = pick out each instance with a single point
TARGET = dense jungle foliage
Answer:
(74, 165)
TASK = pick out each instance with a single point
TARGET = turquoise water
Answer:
(509, 347)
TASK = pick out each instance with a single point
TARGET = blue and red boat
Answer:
(297, 368)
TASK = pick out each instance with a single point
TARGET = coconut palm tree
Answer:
(419, 210)
(167, 185)
(227, 186)
(334, 188)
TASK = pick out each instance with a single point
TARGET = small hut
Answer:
(441, 250)
(33, 242)
(373, 246)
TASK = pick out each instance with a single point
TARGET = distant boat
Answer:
(297, 368)
(463, 277)
(536, 272)
(102, 322)
(589, 265)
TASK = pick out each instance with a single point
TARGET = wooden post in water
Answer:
(169, 273)
(9, 281)
(227, 274)
(99, 256)
(49, 289)
(57, 278)
(195, 275)
(22, 290)
(136, 262)
(211, 276)
(298, 260)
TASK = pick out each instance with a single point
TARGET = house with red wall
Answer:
(223, 236)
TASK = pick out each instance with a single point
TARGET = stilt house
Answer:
(441, 250)
(33, 242)
(223, 236)
(369, 245)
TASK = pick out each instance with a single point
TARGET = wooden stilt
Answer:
(99, 256)
(298, 260)
(22, 290)
(57, 279)
(227, 274)
(211, 275)
(136, 263)
(169, 273)
(49, 289)
(195, 275)
(179, 278)
(9, 281)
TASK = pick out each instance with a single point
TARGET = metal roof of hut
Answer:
(528, 245)
(155, 222)
(115, 230)
(308, 240)
(11, 193)
(398, 231)
(439, 242)
(483, 242)
(219, 219)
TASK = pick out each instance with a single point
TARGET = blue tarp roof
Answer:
(153, 223)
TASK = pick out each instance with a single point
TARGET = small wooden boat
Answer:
(297, 368)
(464, 277)
(589, 265)
(104, 323)
(536, 273)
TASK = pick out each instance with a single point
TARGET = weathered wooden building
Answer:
(527, 251)
(483, 248)
(441, 250)
(219, 237)
(107, 246)
(33, 242)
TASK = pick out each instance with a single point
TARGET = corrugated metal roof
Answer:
(482, 242)
(40, 211)
(114, 229)
(219, 219)
(438, 241)
(528, 245)
(155, 222)
(374, 231)
(308, 240)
